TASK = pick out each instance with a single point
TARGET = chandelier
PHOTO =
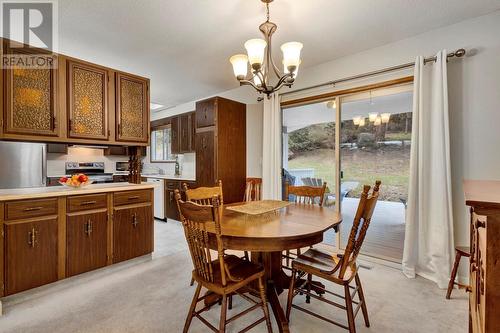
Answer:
(261, 62)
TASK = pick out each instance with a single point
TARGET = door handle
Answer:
(31, 209)
(32, 237)
(88, 227)
(135, 221)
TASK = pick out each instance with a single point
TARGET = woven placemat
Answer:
(259, 207)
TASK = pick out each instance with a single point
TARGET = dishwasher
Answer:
(159, 193)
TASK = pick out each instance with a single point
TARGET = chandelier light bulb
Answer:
(362, 122)
(385, 117)
(372, 116)
(255, 50)
(291, 55)
(240, 65)
(356, 120)
(331, 104)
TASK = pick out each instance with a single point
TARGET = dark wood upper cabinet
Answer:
(30, 100)
(86, 242)
(175, 135)
(184, 142)
(31, 254)
(132, 108)
(221, 146)
(87, 89)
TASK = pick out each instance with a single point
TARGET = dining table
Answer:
(266, 236)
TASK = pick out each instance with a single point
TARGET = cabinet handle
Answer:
(88, 227)
(32, 237)
(171, 196)
(480, 224)
(133, 197)
(54, 122)
(85, 203)
(135, 221)
(31, 209)
(120, 128)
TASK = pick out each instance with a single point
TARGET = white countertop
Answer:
(171, 177)
(57, 191)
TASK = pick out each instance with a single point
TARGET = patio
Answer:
(385, 236)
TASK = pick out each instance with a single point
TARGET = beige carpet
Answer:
(153, 295)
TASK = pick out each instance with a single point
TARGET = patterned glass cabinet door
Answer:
(30, 101)
(132, 108)
(87, 90)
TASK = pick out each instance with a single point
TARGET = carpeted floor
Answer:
(152, 294)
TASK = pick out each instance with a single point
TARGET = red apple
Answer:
(63, 179)
(83, 178)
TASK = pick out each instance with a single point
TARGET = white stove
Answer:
(94, 170)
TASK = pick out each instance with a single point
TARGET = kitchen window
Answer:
(161, 148)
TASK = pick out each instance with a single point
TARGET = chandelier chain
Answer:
(267, 11)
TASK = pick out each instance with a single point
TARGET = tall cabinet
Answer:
(221, 146)
(483, 197)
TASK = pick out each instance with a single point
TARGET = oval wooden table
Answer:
(268, 235)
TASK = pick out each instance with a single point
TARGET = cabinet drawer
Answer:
(86, 202)
(30, 208)
(131, 197)
(205, 113)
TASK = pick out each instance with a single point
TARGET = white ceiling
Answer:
(184, 46)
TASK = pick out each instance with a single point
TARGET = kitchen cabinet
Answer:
(30, 100)
(47, 239)
(86, 241)
(132, 108)
(75, 103)
(30, 253)
(87, 89)
(171, 210)
(175, 135)
(183, 130)
(132, 231)
(221, 146)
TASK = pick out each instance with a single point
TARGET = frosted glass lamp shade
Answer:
(331, 104)
(257, 81)
(240, 67)
(372, 116)
(295, 72)
(255, 50)
(291, 55)
(362, 122)
(385, 117)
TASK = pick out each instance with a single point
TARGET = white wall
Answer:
(254, 140)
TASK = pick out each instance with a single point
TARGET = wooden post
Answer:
(134, 163)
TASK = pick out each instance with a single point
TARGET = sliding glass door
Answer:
(349, 141)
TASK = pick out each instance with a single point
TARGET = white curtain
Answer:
(428, 246)
(271, 150)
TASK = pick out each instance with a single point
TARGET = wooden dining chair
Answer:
(309, 195)
(224, 276)
(460, 251)
(253, 189)
(340, 269)
(204, 195)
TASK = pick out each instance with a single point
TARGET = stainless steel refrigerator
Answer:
(22, 165)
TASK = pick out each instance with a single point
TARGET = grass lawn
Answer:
(391, 165)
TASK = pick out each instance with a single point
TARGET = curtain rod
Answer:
(458, 53)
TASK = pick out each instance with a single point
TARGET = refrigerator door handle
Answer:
(44, 165)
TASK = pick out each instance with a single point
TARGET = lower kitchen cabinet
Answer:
(30, 253)
(132, 231)
(86, 242)
(171, 210)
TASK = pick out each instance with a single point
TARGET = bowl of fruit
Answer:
(76, 181)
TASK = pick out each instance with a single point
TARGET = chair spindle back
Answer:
(253, 189)
(360, 225)
(195, 219)
(306, 194)
(204, 195)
